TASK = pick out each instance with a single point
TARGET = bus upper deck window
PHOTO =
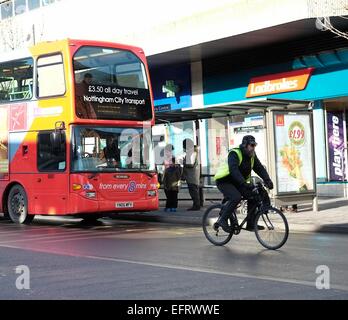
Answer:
(16, 80)
(50, 76)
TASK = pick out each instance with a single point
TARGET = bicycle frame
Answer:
(257, 207)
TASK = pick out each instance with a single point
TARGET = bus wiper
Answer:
(93, 175)
(149, 173)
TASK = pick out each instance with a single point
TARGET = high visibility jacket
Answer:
(224, 170)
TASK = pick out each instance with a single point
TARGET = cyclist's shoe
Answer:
(224, 225)
(252, 227)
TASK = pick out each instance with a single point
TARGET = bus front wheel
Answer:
(17, 204)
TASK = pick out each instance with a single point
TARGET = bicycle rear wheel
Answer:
(214, 233)
(276, 229)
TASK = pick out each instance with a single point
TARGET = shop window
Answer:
(16, 80)
(46, 2)
(33, 4)
(7, 9)
(20, 6)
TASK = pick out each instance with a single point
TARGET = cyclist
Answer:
(233, 180)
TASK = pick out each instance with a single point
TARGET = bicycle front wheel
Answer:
(214, 233)
(275, 229)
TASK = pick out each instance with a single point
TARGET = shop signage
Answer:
(171, 87)
(164, 107)
(335, 138)
(278, 83)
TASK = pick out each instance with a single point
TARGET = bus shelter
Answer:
(284, 131)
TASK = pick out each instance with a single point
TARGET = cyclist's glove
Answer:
(248, 186)
(269, 184)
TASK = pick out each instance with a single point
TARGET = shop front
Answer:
(320, 79)
(172, 93)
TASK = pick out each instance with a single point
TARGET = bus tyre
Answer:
(17, 204)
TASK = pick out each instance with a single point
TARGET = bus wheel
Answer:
(17, 204)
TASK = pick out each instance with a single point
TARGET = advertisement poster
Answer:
(294, 158)
(218, 146)
(3, 141)
(251, 125)
(335, 138)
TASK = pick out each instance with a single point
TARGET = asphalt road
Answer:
(146, 260)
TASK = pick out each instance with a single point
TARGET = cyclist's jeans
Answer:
(234, 196)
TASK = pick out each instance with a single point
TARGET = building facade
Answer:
(216, 54)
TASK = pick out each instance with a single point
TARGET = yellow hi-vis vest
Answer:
(224, 171)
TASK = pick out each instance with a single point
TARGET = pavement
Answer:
(332, 216)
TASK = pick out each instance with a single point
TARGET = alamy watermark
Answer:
(323, 279)
(23, 280)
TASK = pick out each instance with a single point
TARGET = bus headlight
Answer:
(76, 187)
(151, 193)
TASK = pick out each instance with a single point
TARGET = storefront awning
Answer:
(230, 109)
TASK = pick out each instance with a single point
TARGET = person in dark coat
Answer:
(111, 152)
(192, 173)
(171, 185)
(234, 180)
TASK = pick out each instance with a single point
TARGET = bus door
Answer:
(51, 184)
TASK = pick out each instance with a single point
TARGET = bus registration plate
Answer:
(124, 204)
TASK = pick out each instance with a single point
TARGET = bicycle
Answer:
(275, 224)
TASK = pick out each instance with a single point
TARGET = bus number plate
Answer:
(124, 204)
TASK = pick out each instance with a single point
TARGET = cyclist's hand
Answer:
(248, 186)
(269, 184)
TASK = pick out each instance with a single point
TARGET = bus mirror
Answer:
(59, 125)
(57, 140)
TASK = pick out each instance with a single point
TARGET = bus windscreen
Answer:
(111, 149)
(110, 84)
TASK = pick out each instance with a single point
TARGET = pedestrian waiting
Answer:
(171, 185)
(192, 173)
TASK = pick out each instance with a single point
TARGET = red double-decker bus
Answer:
(75, 131)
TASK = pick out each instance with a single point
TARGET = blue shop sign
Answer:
(171, 87)
(327, 81)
